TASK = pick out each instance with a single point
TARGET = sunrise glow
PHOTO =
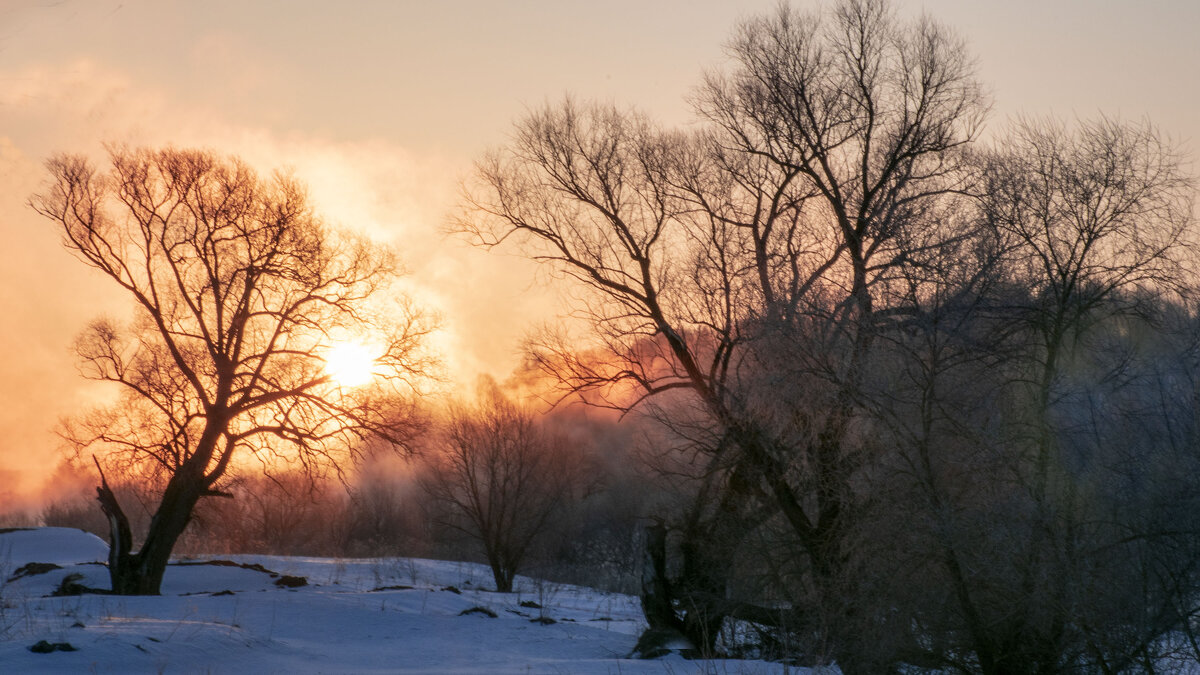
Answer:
(350, 364)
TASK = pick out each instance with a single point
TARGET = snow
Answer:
(58, 545)
(353, 616)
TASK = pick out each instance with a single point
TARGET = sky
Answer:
(381, 108)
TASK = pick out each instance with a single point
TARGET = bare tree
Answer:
(1098, 218)
(1016, 497)
(239, 291)
(756, 255)
(1098, 224)
(505, 478)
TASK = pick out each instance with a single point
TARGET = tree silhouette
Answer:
(505, 478)
(239, 290)
(749, 267)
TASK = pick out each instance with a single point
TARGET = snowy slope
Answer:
(353, 616)
(59, 545)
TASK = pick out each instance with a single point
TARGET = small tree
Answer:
(504, 478)
(239, 291)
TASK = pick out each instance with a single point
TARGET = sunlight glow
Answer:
(350, 364)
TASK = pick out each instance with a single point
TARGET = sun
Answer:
(350, 364)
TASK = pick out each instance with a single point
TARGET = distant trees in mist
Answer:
(566, 511)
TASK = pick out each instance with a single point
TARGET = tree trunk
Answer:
(656, 588)
(141, 573)
(702, 585)
(700, 591)
(503, 578)
(120, 536)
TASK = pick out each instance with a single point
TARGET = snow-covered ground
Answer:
(352, 616)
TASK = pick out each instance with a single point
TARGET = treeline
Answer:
(566, 507)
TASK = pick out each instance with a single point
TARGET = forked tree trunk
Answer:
(694, 605)
(141, 573)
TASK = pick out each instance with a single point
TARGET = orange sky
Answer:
(381, 106)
